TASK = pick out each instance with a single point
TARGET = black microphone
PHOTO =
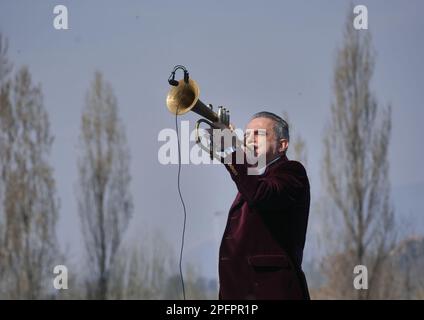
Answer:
(172, 81)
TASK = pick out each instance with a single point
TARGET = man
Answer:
(262, 246)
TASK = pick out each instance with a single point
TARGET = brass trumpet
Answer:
(184, 97)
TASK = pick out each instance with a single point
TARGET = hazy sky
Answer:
(246, 55)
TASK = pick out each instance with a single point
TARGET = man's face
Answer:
(260, 137)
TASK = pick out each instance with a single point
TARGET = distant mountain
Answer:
(407, 260)
(409, 208)
(409, 254)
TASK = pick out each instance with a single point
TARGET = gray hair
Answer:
(281, 127)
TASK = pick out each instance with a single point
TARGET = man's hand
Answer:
(223, 137)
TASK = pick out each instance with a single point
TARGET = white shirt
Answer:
(255, 171)
(261, 171)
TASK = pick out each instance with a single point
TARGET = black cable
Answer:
(182, 202)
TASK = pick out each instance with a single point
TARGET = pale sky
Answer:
(246, 55)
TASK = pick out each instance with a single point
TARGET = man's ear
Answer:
(284, 144)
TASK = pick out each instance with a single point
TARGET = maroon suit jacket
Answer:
(261, 251)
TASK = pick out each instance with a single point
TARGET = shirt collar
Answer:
(262, 170)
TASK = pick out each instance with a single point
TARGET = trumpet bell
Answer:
(182, 98)
(185, 97)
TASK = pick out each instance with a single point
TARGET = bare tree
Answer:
(29, 207)
(5, 67)
(5, 64)
(144, 269)
(355, 172)
(105, 203)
